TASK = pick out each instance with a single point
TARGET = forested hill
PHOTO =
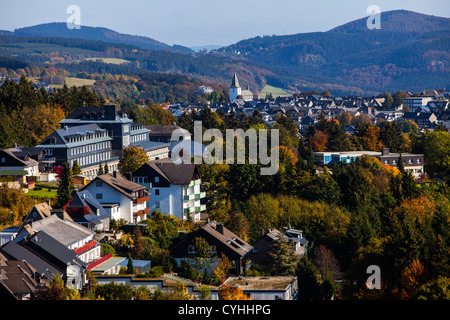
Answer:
(408, 53)
(410, 50)
(59, 29)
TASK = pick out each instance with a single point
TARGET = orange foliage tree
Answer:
(227, 292)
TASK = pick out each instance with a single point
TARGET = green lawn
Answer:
(273, 90)
(42, 194)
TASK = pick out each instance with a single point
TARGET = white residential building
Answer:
(122, 198)
(175, 188)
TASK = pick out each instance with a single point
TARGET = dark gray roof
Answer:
(56, 249)
(84, 198)
(18, 252)
(176, 173)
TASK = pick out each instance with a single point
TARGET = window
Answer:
(419, 160)
(99, 196)
(386, 161)
(3, 160)
(156, 192)
(394, 161)
(157, 204)
(191, 249)
(99, 184)
(156, 179)
(410, 161)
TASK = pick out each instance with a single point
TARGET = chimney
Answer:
(115, 174)
(110, 112)
(385, 151)
(66, 128)
(219, 227)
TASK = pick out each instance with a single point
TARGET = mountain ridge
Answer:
(344, 60)
(59, 29)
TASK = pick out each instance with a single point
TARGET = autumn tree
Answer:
(369, 137)
(221, 271)
(326, 263)
(76, 169)
(133, 158)
(227, 292)
(318, 141)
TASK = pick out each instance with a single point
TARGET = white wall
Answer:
(110, 195)
(170, 201)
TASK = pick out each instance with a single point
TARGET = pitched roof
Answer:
(222, 234)
(53, 247)
(175, 173)
(17, 252)
(21, 156)
(64, 231)
(43, 209)
(17, 277)
(235, 82)
(84, 198)
(119, 183)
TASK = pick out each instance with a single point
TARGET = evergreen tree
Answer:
(76, 169)
(106, 170)
(100, 169)
(284, 261)
(130, 267)
(65, 186)
(307, 280)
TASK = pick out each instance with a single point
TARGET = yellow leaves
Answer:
(227, 292)
(222, 268)
(416, 209)
(42, 120)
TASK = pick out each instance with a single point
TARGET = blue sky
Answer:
(206, 22)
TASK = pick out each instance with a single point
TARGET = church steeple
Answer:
(235, 82)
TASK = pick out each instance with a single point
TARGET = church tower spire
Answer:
(235, 82)
(235, 89)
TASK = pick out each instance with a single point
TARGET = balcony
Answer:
(195, 182)
(200, 208)
(141, 200)
(141, 212)
(195, 196)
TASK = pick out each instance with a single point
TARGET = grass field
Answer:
(273, 90)
(110, 60)
(42, 194)
(72, 81)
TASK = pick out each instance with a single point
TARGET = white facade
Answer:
(178, 200)
(125, 207)
(234, 93)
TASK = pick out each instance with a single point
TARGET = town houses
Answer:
(106, 204)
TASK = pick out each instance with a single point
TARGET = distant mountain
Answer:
(207, 47)
(399, 21)
(59, 29)
(409, 52)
